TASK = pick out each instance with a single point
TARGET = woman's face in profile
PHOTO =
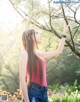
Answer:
(38, 37)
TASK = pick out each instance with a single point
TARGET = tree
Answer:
(52, 14)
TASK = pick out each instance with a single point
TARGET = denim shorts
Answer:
(37, 93)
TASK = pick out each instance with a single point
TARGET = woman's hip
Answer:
(37, 90)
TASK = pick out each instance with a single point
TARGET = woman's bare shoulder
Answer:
(24, 53)
(41, 52)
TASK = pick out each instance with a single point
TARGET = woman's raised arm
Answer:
(60, 48)
(50, 54)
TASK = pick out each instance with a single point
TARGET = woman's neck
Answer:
(36, 51)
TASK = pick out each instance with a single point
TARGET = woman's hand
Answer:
(65, 28)
(27, 101)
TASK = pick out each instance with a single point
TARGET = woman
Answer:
(32, 70)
